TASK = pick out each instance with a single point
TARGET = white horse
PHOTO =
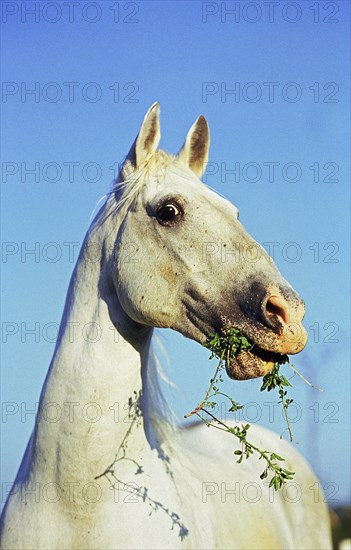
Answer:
(106, 467)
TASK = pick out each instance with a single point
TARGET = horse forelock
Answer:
(131, 179)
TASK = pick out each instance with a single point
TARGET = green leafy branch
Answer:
(274, 380)
(281, 475)
(224, 346)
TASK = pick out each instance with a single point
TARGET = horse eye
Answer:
(168, 213)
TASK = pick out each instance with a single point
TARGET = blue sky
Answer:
(274, 88)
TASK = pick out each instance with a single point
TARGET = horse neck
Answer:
(98, 370)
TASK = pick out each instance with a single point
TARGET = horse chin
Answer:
(252, 364)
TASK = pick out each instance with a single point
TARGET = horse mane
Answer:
(160, 413)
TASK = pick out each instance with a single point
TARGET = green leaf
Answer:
(235, 406)
(274, 456)
(271, 483)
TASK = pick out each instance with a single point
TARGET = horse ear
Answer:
(194, 152)
(148, 138)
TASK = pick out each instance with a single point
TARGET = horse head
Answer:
(195, 268)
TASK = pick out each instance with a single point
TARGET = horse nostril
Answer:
(278, 307)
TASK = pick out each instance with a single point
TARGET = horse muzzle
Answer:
(273, 323)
